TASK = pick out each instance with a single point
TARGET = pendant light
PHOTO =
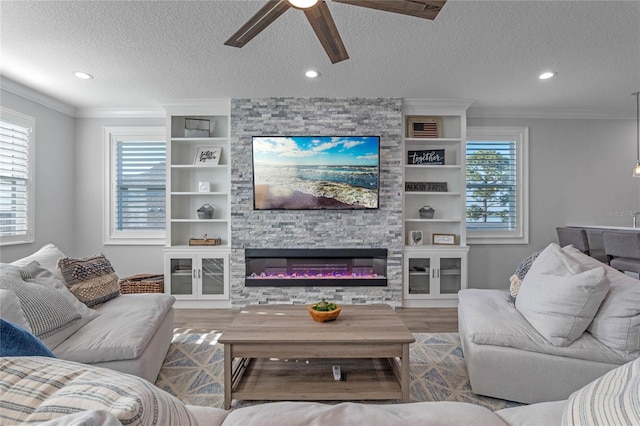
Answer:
(636, 168)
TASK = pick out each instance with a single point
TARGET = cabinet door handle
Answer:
(194, 273)
(433, 272)
(199, 273)
(438, 273)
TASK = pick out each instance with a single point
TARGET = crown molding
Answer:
(121, 113)
(559, 114)
(36, 96)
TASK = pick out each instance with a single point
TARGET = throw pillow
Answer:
(515, 281)
(36, 389)
(47, 257)
(613, 399)
(559, 296)
(617, 323)
(46, 309)
(49, 279)
(17, 341)
(11, 310)
(91, 279)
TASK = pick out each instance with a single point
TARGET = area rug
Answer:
(193, 371)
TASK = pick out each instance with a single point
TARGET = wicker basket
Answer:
(142, 283)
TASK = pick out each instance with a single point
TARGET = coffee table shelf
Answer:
(312, 380)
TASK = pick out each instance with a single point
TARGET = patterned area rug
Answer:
(193, 371)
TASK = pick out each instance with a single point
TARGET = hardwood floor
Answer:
(417, 320)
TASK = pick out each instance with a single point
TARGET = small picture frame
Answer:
(415, 238)
(204, 186)
(443, 239)
(424, 127)
(207, 155)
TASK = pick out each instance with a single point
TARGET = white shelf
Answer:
(433, 140)
(193, 166)
(199, 220)
(409, 193)
(443, 166)
(205, 140)
(199, 193)
(433, 220)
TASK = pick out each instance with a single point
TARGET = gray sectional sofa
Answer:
(508, 358)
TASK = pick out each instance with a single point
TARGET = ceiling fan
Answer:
(319, 17)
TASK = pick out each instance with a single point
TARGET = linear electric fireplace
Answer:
(315, 267)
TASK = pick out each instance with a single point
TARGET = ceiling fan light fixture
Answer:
(311, 74)
(302, 4)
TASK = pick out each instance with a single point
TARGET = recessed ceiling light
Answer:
(83, 75)
(547, 75)
(312, 74)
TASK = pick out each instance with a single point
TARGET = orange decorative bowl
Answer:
(324, 316)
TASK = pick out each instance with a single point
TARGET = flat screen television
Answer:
(316, 172)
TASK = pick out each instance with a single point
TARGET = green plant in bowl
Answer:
(324, 306)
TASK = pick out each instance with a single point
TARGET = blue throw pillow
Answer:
(15, 341)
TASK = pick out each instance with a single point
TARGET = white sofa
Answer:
(129, 333)
(110, 397)
(508, 358)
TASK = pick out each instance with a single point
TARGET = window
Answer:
(136, 185)
(497, 180)
(17, 142)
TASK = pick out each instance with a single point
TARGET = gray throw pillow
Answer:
(46, 309)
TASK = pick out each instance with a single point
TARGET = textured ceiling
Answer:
(145, 53)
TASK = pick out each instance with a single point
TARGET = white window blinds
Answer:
(492, 202)
(140, 179)
(16, 206)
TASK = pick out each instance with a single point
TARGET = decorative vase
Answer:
(324, 316)
(426, 212)
(206, 211)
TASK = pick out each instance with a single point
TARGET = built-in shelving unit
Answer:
(185, 195)
(433, 272)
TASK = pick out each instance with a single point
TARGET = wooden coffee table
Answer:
(277, 352)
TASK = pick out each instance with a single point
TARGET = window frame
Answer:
(29, 122)
(519, 135)
(111, 136)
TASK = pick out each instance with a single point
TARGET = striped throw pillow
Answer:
(613, 399)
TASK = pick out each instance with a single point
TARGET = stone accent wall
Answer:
(316, 229)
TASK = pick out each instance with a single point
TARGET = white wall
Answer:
(579, 173)
(54, 178)
(89, 187)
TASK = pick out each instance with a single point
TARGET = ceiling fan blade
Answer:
(427, 9)
(320, 19)
(261, 20)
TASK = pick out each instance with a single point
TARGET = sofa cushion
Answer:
(613, 399)
(11, 310)
(559, 296)
(542, 413)
(122, 331)
(617, 322)
(47, 256)
(50, 279)
(37, 389)
(16, 341)
(490, 319)
(46, 309)
(91, 279)
(443, 413)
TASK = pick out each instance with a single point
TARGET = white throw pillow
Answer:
(11, 310)
(47, 257)
(617, 323)
(559, 296)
